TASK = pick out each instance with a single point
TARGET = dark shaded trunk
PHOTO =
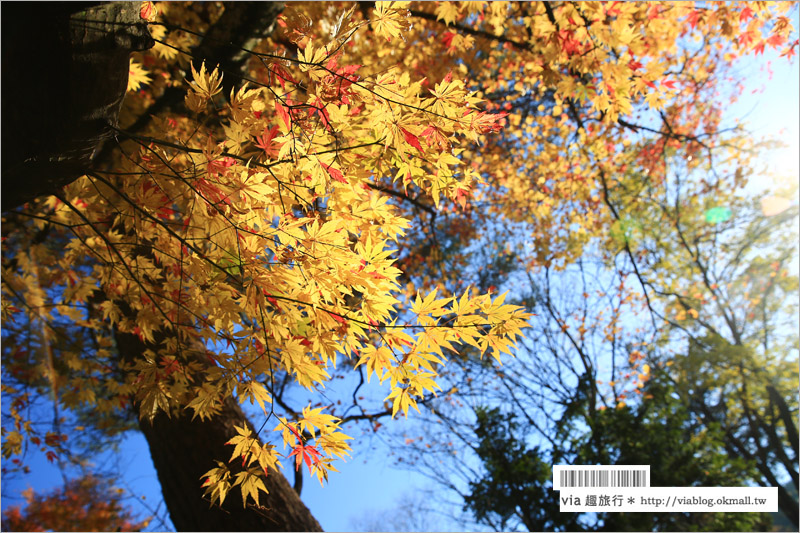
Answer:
(65, 72)
(183, 450)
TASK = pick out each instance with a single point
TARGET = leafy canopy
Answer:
(252, 236)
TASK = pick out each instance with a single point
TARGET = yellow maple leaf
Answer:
(137, 76)
(206, 84)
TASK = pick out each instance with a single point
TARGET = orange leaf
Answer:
(283, 114)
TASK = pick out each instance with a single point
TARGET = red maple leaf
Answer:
(745, 14)
(433, 137)
(307, 454)
(265, 142)
(670, 84)
(485, 123)
(349, 71)
(447, 39)
(220, 166)
(411, 139)
(613, 10)
(209, 191)
(569, 44)
(304, 342)
(775, 40)
(334, 173)
(170, 367)
(338, 318)
(461, 198)
(694, 17)
(319, 108)
(342, 80)
(148, 11)
(332, 63)
(280, 73)
(746, 38)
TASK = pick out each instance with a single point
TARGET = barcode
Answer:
(603, 478)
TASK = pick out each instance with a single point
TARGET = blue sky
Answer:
(368, 482)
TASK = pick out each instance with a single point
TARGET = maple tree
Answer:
(255, 254)
(240, 236)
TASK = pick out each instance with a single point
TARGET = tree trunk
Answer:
(184, 449)
(65, 72)
(65, 67)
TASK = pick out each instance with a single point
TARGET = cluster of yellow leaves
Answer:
(391, 19)
(410, 363)
(263, 246)
(592, 67)
(247, 448)
(204, 87)
(330, 443)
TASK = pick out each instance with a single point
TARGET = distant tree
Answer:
(516, 486)
(83, 504)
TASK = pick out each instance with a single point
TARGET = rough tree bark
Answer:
(65, 67)
(65, 71)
